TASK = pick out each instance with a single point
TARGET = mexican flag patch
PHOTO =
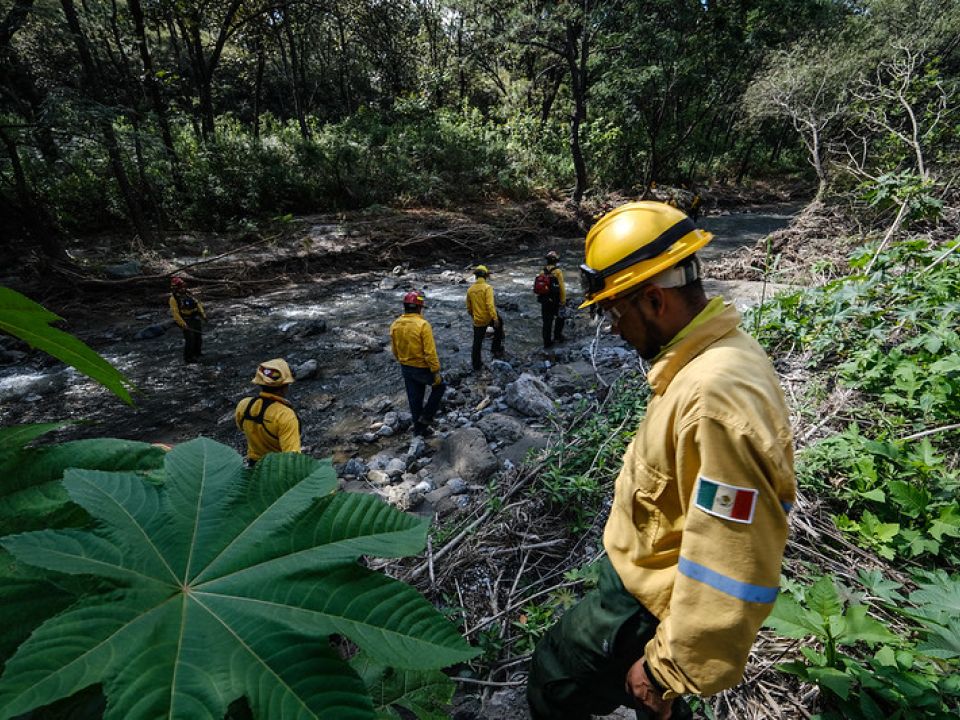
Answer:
(726, 501)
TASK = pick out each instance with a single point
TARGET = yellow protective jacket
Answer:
(184, 305)
(480, 303)
(275, 429)
(699, 517)
(411, 339)
(558, 273)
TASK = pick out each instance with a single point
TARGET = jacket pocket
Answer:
(648, 518)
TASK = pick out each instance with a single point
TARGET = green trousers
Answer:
(579, 667)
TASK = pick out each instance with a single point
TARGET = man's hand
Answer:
(437, 378)
(639, 685)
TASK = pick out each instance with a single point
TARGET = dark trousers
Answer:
(552, 322)
(479, 333)
(579, 667)
(192, 339)
(417, 380)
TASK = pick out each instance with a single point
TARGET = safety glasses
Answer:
(592, 281)
(270, 372)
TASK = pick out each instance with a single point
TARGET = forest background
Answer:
(217, 115)
(140, 117)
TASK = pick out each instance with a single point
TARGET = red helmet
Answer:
(177, 282)
(414, 297)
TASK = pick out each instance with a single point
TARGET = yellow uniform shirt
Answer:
(558, 274)
(277, 431)
(411, 339)
(184, 305)
(480, 303)
(699, 518)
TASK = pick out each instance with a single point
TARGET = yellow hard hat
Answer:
(633, 243)
(273, 373)
(481, 271)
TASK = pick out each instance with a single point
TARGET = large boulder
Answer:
(530, 395)
(497, 427)
(466, 453)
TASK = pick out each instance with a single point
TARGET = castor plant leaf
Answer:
(32, 497)
(222, 583)
(23, 318)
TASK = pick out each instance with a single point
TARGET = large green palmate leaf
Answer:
(225, 583)
(425, 693)
(32, 497)
(22, 317)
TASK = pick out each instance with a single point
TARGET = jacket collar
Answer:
(271, 396)
(713, 322)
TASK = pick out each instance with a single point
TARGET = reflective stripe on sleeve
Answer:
(740, 590)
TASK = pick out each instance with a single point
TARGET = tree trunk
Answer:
(106, 126)
(153, 90)
(296, 83)
(37, 223)
(17, 82)
(258, 85)
(576, 35)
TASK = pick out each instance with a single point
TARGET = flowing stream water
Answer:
(357, 374)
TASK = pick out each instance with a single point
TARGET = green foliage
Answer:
(865, 670)
(25, 319)
(904, 188)
(579, 469)
(903, 493)
(425, 693)
(890, 337)
(245, 574)
(33, 498)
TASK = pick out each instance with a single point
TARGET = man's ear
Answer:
(655, 296)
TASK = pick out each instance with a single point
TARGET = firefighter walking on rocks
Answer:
(551, 292)
(483, 311)
(411, 339)
(189, 315)
(698, 524)
(268, 421)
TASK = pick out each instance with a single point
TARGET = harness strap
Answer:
(258, 418)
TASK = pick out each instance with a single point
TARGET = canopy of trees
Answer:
(166, 113)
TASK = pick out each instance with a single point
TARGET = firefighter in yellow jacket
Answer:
(188, 314)
(698, 524)
(411, 339)
(267, 420)
(483, 311)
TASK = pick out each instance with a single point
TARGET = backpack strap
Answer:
(258, 418)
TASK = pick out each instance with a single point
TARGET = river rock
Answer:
(610, 355)
(378, 477)
(385, 431)
(369, 437)
(306, 370)
(310, 328)
(360, 341)
(502, 370)
(150, 332)
(466, 453)
(12, 357)
(457, 485)
(128, 269)
(392, 419)
(403, 497)
(530, 395)
(395, 468)
(355, 467)
(389, 283)
(497, 427)
(417, 448)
